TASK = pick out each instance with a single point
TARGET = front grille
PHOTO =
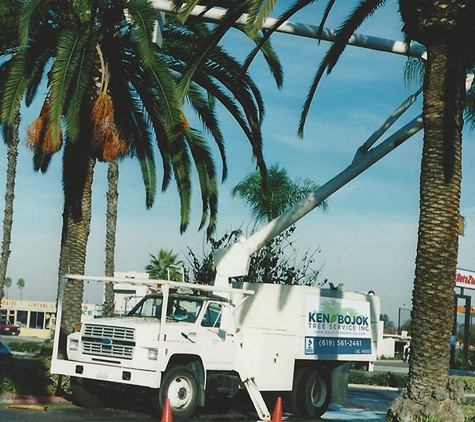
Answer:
(102, 340)
(116, 351)
(115, 333)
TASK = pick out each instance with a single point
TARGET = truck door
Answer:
(215, 337)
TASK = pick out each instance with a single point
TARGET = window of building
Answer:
(37, 319)
(22, 318)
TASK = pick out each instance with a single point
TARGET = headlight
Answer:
(153, 354)
(73, 345)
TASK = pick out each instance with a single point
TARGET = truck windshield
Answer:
(180, 308)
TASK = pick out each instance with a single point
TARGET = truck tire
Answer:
(311, 393)
(180, 384)
(85, 393)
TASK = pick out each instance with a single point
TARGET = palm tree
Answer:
(77, 37)
(281, 193)
(165, 265)
(20, 284)
(112, 88)
(111, 227)
(219, 71)
(271, 264)
(8, 41)
(7, 284)
(12, 159)
(447, 30)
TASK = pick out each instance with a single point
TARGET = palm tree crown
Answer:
(281, 193)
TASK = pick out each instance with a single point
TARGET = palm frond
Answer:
(204, 164)
(185, 8)
(364, 9)
(26, 14)
(143, 17)
(414, 71)
(14, 90)
(181, 165)
(323, 21)
(82, 77)
(41, 161)
(271, 58)
(149, 178)
(131, 121)
(261, 41)
(63, 72)
(205, 110)
(208, 44)
(36, 66)
(259, 11)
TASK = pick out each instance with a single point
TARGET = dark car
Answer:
(5, 352)
(6, 327)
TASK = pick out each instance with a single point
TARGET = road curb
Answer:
(9, 399)
(370, 386)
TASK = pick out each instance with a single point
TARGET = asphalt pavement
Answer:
(365, 403)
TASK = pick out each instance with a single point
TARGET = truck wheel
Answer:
(316, 389)
(181, 386)
(85, 393)
(311, 393)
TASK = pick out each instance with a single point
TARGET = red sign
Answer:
(465, 279)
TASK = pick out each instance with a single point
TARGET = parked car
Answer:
(6, 327)
(5, 352)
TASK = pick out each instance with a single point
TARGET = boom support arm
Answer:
(215, 14)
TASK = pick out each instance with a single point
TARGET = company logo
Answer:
(336, 316)
(339, 319)
(309, 346)
(106, 341)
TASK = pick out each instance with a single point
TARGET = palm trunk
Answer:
(430, 393)
(111, 226)
(76, 228)
(12, 159)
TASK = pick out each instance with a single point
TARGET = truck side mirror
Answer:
(228, 324)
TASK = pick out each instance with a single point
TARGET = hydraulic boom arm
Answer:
(233, 261)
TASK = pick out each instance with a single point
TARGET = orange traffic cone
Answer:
(277, 415)
(167, 411)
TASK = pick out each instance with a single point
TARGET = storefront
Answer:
(37, 319)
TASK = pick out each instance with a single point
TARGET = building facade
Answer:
(36, 319)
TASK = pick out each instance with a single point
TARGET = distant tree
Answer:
(272, 264)
(406, 326)
(281, 194)
(20, 284)
(388, 324)
(7, 283)
(163, 265)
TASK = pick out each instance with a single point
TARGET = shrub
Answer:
(47, 349)
(388, 379)
(358, 377)
(25, 346)
(469, 411)
(468, 383)
(384, 379)
(26, 377)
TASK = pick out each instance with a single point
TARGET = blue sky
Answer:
(368, 235)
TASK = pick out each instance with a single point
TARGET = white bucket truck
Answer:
(188, 341)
